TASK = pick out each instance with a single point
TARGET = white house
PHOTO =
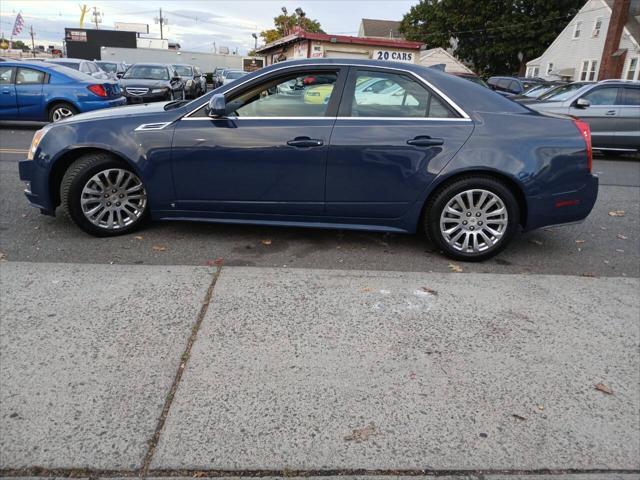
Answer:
(601, 41)
(439, 56)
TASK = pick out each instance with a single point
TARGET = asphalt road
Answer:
(602, 246)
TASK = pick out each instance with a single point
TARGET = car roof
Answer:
(144, 64)
(67, 60)
(468, 95)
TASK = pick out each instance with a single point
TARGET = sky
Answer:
(195, 24)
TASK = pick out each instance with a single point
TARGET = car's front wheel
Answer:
(103, 196)
(60, 111)
(472, 218)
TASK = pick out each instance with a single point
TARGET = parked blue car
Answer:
(40, 91)
(423, 151)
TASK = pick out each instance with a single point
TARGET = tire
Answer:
(492, 220)
(85, 203)
(61, 110)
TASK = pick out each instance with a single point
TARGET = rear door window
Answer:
(631, 97)
(386, 94)
(29, 76)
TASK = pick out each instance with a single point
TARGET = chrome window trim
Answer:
(410, 119)
(450, 102)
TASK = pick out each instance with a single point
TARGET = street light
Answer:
(255, 43)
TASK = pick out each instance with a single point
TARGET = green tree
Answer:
(285, 24)
(496, 36)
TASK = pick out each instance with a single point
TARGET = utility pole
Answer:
(33, 43)
(162, 21)
(97, 17)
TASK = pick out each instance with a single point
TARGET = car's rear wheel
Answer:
(473, 218)
(103, 196)
(60, 111)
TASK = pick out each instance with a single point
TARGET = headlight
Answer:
(37, 138)
(159, 90)
(189, 83)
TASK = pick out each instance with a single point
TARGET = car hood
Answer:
(119, 112)
(141, 82)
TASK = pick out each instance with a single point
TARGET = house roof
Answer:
(381, 28)
(373, 42)
(454, 64)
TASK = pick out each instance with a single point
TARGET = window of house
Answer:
(577, 29)
(549, 68)
(399, 97)
(597, 26)
(588, 71)
(632, 69)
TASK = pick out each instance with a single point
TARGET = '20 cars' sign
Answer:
(393, 56)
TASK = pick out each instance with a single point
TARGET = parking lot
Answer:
(603, 245)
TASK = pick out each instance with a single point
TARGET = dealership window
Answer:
(589, 70)
(549, 68)
(297, 95)
(28, 76)
(632, 69)
(382, 94)
(577, 29)
(597, 26)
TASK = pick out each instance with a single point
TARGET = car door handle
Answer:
(6, 91)
(305, 142)
(425, 141)
(610, 113)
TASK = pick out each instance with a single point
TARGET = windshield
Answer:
(537, 91)
(234, 75)
(75, 66)
(561, 93)
(108, 67)
(183, 70)
(147, 72)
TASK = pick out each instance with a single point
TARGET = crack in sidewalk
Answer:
(478, 474)
(153, 443)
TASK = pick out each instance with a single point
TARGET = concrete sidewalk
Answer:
(141, 370)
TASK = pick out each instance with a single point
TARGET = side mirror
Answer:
(177, 78)
(217, 106)
(582, 103)
(120, 74)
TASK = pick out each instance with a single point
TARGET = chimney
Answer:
(613, 58)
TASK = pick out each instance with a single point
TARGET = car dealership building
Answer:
(303, 44)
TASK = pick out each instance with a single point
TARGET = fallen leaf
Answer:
(362, 434)
(159, 248)
(455, 268)
(580, 241)
(518, 417)
(366, 289)
(139, 237)
(616, 213)
(603, 228)
(24, 215)
(3, 257)
(589, 275)
(537, 242)
(621, 237)
(540, 407)
(266, 241)
(429, 290)
(412, 375)
(603, 388)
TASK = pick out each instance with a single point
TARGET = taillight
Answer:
(99, 90)
(585, 131)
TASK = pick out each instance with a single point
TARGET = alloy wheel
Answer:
(113, 199)
(60, 113)
(474, 221)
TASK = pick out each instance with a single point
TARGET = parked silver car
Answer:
(610, 107)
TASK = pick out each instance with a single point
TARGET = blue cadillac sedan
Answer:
(41, 91)
(324, 143)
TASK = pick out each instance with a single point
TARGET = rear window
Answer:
(75, 66)
(183, 71)
(147, 72)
